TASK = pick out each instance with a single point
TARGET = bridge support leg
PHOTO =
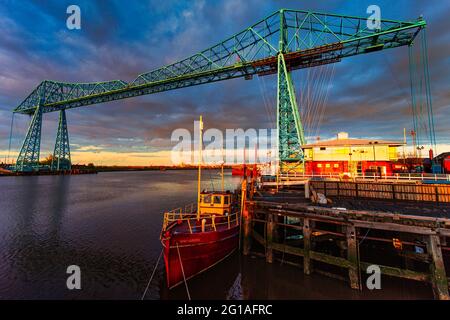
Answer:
(61, 155)
(290, 128)
(28, 159)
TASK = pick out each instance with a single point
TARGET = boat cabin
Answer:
(217, 203)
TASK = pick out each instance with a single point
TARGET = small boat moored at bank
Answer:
(198, 236)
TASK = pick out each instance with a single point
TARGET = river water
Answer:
(108, 224)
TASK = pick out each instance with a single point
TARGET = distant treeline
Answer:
(91, 166)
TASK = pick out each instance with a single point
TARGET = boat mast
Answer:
(223, 185)
(199, 166)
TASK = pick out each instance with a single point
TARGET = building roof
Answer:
(351, 142)
(442, 156)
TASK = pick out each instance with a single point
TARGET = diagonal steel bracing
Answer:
(290, 129)
(253, 51)
(61, 155)
(28, 159)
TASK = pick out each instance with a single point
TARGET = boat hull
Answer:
(193, 253)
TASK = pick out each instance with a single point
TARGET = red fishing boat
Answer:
(199, 236)
(195, 242)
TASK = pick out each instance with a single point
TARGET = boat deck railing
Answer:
(189, 214)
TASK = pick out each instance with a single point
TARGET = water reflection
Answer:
(35, 246)
(58, 205)
(109, 225)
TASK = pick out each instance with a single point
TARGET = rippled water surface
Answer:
(109, 224)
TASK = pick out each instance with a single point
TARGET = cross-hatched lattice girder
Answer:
(310, 38)
(290, 129)
(28, 159)
(61, 155)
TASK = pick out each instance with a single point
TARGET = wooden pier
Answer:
(405, 239)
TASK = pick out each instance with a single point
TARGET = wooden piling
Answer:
(247, 233)
(352, 256)
(306, 246)
(307, 190)
(270, 227)
(439, 280)
(342, 225)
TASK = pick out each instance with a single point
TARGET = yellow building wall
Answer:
(360, 153)
(393, 153)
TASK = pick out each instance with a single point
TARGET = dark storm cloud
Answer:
(120, 39)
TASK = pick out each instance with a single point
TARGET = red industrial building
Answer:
(353, 156)
(444, 160)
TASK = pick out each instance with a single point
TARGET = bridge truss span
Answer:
(284, 41)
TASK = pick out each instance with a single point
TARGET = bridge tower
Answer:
(290, 129)
(61, 155)
(28, 159)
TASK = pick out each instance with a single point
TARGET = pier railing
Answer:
(301, 178)
(362, 176)
(383, 190)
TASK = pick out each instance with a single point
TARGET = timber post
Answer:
(247, 234)
(352, 256)
(270, 227)
(439, 280)
(307, 196)
(306, 246)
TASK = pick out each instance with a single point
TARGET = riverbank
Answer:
(90, 169)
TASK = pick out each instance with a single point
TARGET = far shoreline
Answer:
(86, 169)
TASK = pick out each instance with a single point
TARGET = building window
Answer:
(217, 200)
(319, 165)
(336, 165)
(327, 165)
(323, 148)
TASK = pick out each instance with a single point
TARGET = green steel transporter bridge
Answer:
(284, 41)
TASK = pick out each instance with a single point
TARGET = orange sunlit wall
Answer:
(336, 167)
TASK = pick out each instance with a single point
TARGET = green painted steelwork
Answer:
(28, 159)
(293, 39)
(61, 154)
(290, 130)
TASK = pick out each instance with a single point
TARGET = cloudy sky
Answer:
(368, 95)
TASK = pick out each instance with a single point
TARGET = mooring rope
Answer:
(153, 273)
(182, 271)
(364, 238)
(359, 258)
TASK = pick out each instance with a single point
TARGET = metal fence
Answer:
(425, 177)
(383, 190)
